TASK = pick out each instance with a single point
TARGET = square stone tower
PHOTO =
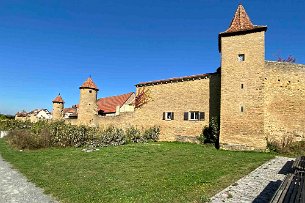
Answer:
(242, 48)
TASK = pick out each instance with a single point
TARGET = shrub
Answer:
(152, 134)
(210, 134)
(272, 146)
(24, 139)
(8, 125)
(112, 136)
(133, 135)
(286, 146)
(281, 145)
(25, 135)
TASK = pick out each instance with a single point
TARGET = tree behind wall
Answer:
(289, 59)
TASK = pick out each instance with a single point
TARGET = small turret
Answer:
(87, 112)
(58, 107)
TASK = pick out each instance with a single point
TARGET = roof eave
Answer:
(58, 101)
(242, 32)
(89, 88)
(170, 80)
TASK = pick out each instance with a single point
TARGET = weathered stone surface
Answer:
(242, 87)
(284, 101)
(87, 112)
(57, 112)
(178, 97)
(258, 100)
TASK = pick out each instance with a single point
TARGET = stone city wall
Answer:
(177, 97)
(284, 101)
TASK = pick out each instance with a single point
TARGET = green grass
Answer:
(155, 172)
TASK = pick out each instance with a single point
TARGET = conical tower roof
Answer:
(89, 84)
(58, 99)
(240, 21)
(240, 24)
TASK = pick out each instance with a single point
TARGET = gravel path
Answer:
(14, 187)
(259, 186)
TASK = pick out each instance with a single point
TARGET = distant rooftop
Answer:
(109, 104)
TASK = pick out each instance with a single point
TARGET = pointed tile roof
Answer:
(58, 99)
(241, 21)
(109, 104)
(89, 84)
(240, 24)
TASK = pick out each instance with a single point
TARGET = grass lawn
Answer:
(154, 172)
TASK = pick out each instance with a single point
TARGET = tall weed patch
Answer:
(26, 135)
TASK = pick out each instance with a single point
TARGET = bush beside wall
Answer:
(26, 135)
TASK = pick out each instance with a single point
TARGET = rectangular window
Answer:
(241, 109)
(241, 57)
(168, 116)
(242, 86)
(194, 116)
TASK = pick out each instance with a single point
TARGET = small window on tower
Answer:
(241, 109)
(241, 57)
(90, 91)
(168, 116)
(242, 86)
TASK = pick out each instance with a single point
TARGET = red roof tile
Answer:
(70, 110)
(21, 114)
(109, 104)
(240, 24)
(89, 84)
(241, 21)
(173, 79)
(58, 99)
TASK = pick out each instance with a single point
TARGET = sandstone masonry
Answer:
(256, 100)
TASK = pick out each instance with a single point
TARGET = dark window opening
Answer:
(241, 57)
(194, 116)
(241, 109)
(242, 86)
(168, 116)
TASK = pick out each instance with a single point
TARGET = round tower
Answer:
(87, 112)
(58, 107)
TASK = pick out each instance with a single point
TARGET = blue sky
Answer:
(49, 47)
